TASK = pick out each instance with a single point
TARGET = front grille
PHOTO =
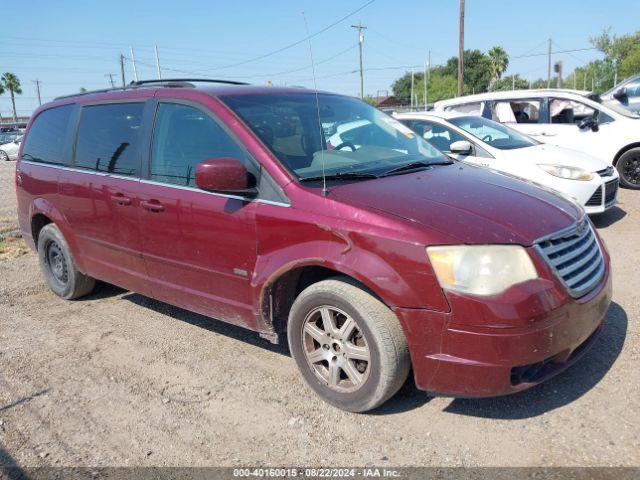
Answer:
(596, 199)
(610, 190)
(574, 256)
(606, 172)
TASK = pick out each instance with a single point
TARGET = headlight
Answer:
(570, 173)
(481, 269)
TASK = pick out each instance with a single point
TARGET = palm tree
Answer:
(10, 82)
(498, 63)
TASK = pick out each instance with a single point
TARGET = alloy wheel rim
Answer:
(57, 263)
(335, 349)
(631, 170)
(3, 155)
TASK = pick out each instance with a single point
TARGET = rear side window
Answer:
(108, 138)
(516, 111)
(468, 108)
(46, 140)
(183, 137)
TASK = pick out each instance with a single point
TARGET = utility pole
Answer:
(513, 82)
(360, 28)
(549, 66)
(110, 75)
(122, 70)
(557, 67)
(37, 82)
(461, 49)
(574, 80)
(158, 63)
(412, 77)
(133, 62)
(426, 82)
(424, 79)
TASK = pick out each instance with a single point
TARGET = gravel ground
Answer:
(120, 379)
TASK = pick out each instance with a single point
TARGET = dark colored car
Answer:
(372, 257)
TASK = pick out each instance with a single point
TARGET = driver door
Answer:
(199, 247)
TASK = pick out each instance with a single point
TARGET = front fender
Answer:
(392, 267)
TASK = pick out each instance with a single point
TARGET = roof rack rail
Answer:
(168, 82)
(185, 80)
(89, 92)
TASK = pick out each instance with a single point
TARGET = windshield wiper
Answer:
(340, 176)
(414, 166)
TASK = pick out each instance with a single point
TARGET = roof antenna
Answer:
(315, 87)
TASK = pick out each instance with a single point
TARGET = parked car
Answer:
(9, 150)
(564, 118)
(626, 94)
(590, 181)
(372, 258)
(7, 137)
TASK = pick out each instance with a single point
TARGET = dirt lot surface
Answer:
(119, 379)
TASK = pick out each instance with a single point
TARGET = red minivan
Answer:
(373, 255)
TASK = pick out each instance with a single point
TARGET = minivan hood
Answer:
(553, 155)
(461, 203)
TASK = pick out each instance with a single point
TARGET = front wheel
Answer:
(4, 156)
(348, 345)
(629, 169)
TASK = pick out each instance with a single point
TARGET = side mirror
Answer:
(589, 122)
(224, 175)
(620, 93)
(461, 147)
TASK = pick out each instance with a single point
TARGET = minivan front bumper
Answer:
(484, 348)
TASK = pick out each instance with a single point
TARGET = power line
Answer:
(556, 52)
(294, 44)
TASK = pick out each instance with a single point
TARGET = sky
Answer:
(70, 44)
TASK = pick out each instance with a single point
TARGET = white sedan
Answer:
(9, 151)
(590, 181)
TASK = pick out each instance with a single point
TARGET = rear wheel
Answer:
(58, 266)
(349, 346)
(629, 168)
(3, 156)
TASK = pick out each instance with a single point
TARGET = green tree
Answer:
(621, 55)
(617, 48)
(498, 63)
(508, 83)
(10, 82)
(439, 87)
(402, 86)
(630, 65)
(477, 71)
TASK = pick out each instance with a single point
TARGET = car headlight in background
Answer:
(481, 269)
(570, 173)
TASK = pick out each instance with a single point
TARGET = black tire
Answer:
(58, 266)
(628, 166)
(4, 156)
(389, 363)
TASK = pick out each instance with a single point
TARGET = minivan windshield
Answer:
(354, 140)
(493, 133)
